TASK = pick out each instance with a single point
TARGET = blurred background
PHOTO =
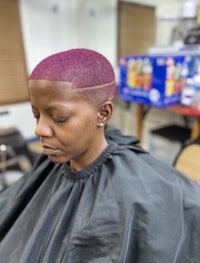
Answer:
(34, 29)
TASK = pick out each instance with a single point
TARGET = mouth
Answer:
(48, 150)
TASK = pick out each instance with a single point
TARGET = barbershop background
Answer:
(34, 29)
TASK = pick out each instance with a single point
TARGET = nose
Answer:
(43, 129)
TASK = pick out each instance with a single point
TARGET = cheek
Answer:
(87, 122)
(90, 124)
(77, 130)
(85, 129)
(71, 134)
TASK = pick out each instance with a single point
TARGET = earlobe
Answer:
(105, 113)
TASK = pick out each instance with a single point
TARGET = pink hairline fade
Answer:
(84, 69)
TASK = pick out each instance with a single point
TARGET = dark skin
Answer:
(68, 124)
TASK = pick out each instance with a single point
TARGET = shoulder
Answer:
(140, 174)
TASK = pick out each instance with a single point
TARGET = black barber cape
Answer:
(126, 207)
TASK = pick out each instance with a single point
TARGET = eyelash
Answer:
(60, 121)
(54, 120)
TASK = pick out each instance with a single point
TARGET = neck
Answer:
(89, 157)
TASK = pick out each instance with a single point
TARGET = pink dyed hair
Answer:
(86, 70)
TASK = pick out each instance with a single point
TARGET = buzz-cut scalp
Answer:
(82, 68)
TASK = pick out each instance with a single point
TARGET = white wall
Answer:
(50, 27)
(102, 28)
(19, 116)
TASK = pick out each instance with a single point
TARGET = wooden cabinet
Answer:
(13, 76)
(136, 28)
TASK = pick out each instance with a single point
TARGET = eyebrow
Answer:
(53, 107)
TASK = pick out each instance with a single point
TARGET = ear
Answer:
(105, 113)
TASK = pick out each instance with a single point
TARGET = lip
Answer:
(49, 150)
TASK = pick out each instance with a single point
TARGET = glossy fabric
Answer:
(125, 207)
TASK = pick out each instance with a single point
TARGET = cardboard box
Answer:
(153, 80)
(193, 62)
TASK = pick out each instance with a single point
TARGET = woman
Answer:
(93, 196)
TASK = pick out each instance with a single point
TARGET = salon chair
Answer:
(188, 160)
(15, 156)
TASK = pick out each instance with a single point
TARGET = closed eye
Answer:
(61, 120)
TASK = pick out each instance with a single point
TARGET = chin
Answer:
(59, 160)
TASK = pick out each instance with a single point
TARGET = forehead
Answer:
(45, 90)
